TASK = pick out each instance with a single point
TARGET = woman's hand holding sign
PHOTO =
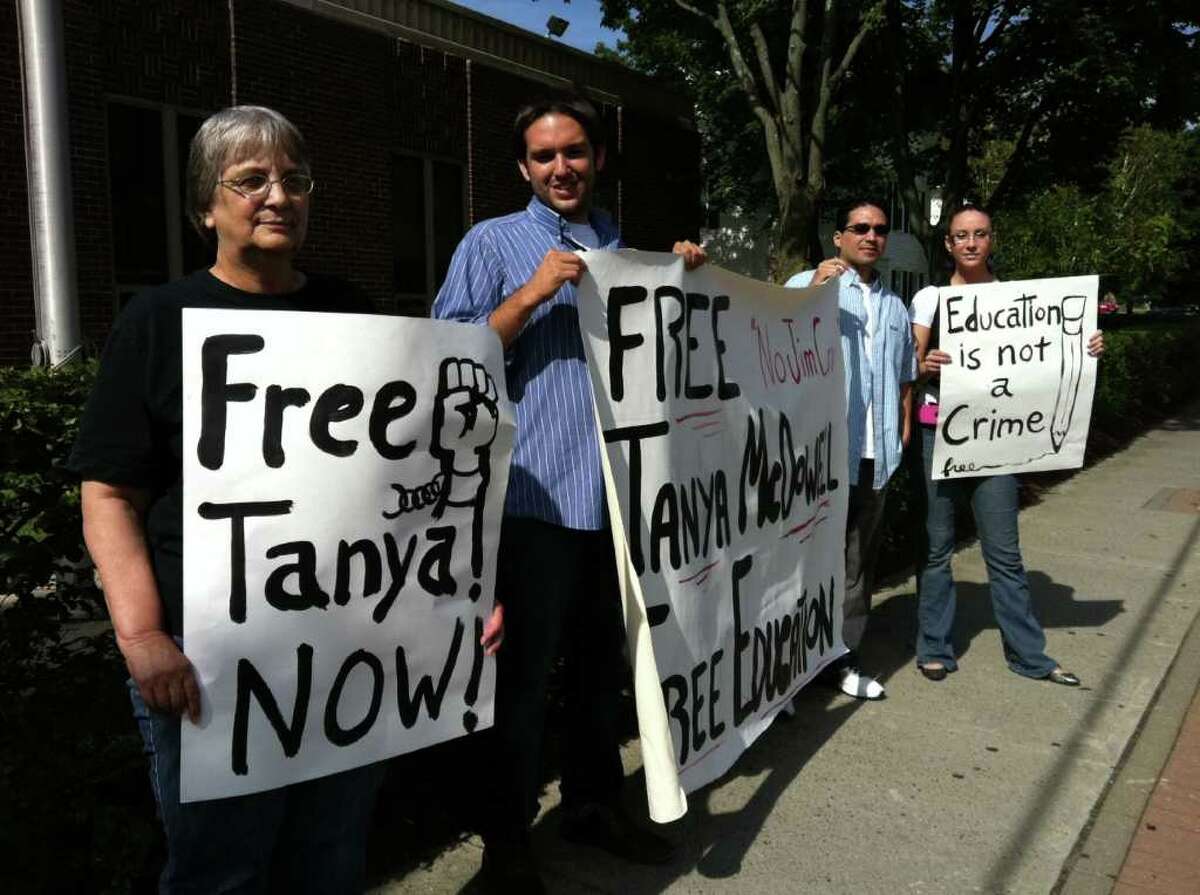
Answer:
(933, 362)
(163, 674)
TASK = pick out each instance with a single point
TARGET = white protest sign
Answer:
(1017, 395)
(721, 405)
(343, 482)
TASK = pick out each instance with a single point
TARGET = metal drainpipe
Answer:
(48, 170)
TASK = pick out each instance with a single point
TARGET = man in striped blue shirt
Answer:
(877, 349)
(556, 574)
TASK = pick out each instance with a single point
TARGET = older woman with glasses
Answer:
(249, 191)
(993, 499)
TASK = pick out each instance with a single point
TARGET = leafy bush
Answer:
(1140, 231)
(71, 774)
(1144, 373)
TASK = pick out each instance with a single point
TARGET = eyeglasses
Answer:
(863, 229)
(258, 186)
(963, 236)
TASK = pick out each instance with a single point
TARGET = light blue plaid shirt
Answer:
(872, 381)
(555, 474)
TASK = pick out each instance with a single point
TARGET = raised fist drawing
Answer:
(465, 416)
(465, 420)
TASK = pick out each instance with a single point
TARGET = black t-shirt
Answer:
(131, 432)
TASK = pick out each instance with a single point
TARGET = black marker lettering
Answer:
(237, 513)
(216, 392)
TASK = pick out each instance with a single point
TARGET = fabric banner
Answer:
(721, 407)
(344, 477)
(1017, 395)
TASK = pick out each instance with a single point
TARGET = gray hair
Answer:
(229, 136)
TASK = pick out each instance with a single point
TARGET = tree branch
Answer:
(745, 76)
(796, 44)
(693, 10)
(905, 169)
(868, 22)
(791, 104)
(1006, 12)
(1007, 178)
(764, 65)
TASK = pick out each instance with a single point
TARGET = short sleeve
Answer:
(800, 280)
(116, 443)
(924, 306)
(474, 283)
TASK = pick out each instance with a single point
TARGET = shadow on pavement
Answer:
(426, 808)
(713, 839)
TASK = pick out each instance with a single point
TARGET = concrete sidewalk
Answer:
(984, 782)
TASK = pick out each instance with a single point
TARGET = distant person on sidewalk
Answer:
(880, 366)
(557, 574)
(993, 499)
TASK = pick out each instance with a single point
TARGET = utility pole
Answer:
(48, 170)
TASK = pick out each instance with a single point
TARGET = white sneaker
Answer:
(860, 686)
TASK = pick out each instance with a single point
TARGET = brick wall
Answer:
(358, 96)
(336, 84)
(170, 52)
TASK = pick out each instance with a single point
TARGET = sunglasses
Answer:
(864, 229)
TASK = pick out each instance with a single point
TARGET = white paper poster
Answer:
(1017, 395)
(343, 482)
(721, 405)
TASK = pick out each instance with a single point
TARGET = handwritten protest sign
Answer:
(721, 406)
(343, 481)
(1017, 396)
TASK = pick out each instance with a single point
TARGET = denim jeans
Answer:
(307, 837)
(993, 501)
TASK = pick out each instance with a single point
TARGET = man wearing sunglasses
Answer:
(880, 363)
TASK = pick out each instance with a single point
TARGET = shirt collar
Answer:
(851, 278)
(554, 223)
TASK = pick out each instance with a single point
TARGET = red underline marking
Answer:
(708, 425)
(700, 572)
(809, 521)
(814, 528)
(700, 581)
(688, 416)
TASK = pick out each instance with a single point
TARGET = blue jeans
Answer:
(993, 502)
(307, 837)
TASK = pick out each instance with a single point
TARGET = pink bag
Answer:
(927, 414)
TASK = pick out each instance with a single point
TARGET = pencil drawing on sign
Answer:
(1071, 368)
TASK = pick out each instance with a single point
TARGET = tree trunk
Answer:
(797, 222)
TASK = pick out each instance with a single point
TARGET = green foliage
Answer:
(1057, 234)
(1139, 229)
(67, 744)
(1144, 374)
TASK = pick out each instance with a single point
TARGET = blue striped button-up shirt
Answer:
(872, 382)
(555, 474)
